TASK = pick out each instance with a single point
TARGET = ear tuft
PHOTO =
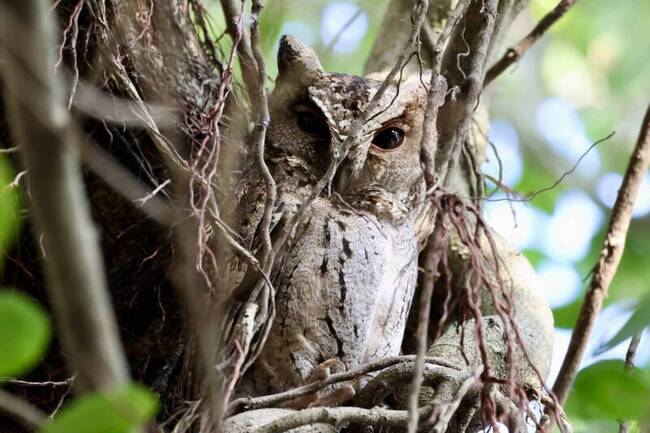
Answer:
(297, 59)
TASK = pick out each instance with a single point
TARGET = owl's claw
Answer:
(328, 396)
(325, 369)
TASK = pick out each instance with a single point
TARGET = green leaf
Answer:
(9, 206)
(113, 412)
(566, 316)
(639, 320)
(24, 333)
(606, 391)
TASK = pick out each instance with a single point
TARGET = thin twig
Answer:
(437, 242)
(32, 384)
(514, 53)
(344, 28)
(532, 195)
(608, 261)
(629, 366)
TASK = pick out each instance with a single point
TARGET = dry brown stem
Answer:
(629, 366)
(608, 261)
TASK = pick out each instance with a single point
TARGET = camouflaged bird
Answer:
(345, 281)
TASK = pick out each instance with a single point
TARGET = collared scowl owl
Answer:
(345, 281)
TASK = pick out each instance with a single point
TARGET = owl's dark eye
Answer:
(311, 123)
(389, 138)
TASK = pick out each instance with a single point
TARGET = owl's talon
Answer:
(328, 396)
(325, 369)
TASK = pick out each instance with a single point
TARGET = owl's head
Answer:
(312, 113)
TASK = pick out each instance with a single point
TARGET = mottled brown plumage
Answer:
(346, 279)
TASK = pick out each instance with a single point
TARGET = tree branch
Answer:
(514, 53)
(629, 366)
(73, 262)
(265, 401)
(466, 72)
(245, 54)
(608, 261)
(29, 415)
(339, 415)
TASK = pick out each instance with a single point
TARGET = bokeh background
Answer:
(588, 77)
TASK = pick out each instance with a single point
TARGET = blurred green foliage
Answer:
(118, 411)
(9, 207)
(606, 391)
(24, 333)
(598, 58)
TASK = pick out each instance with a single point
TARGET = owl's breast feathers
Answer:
(343, 289)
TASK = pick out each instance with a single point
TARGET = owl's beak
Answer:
(344, 177)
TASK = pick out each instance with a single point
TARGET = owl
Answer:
(345, 280)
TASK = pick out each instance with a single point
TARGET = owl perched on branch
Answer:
(345, 279)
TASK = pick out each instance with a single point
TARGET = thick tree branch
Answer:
(377, 417)
(513, 54)
(436, 94)
(265, 401)
(393, 35)
(608, 261)
(73, 262)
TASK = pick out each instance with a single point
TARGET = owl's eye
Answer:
(389, 138)
(311, 123)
